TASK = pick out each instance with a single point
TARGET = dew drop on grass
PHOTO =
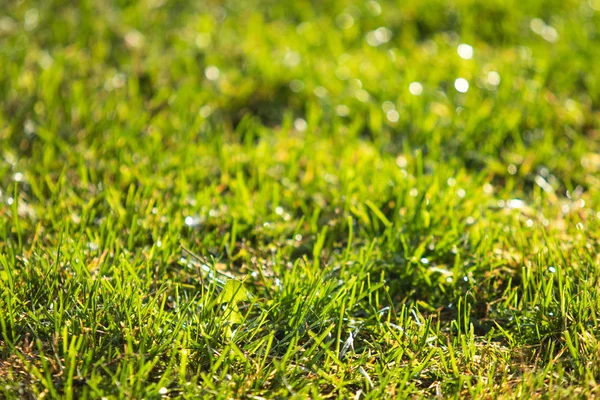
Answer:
(515, 204)
(550, 34)
(537, 25)
(545, 222)
(362, 95)
(374, 7)
(424, 260)
(134, 39)
(465, 51)
(32, 18)
(163, 390)
(547, 32)
(392, 115)
(205, 111)
(292, 58)
(192, 221)
(379, 36)
(461, 85)
(202, 40)
(212, 73)
(401, 161)
(551, 269)
(320, 92)
(342, 110)
(29, 129)
(344, 21)
(300, 124)
(7, 24)
(493, 78)
(387, 106)
(415, 88)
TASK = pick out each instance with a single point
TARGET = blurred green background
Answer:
(78, 72)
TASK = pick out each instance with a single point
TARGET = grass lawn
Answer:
(299, 199)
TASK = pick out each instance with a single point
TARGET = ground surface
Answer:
(299, 199)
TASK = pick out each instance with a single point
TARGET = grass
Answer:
(263, 199)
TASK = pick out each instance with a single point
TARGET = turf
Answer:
(299, 199)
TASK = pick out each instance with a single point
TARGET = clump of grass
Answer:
(262, 200)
